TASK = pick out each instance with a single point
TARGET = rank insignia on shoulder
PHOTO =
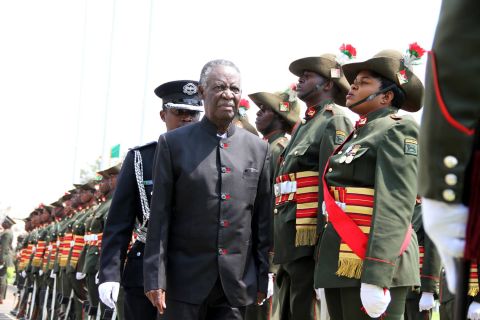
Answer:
(284, 106)
(411, 146)
(340, 136)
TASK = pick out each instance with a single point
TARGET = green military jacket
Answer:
(430, 269)
(92, 261)
(88, 224)
(32, 240)
(64, 227)
(278, 142)
(78, 228)
(51, 241)
(386, 161)
(23, 258)
(309, 148)
(451, 114)
(6, 239)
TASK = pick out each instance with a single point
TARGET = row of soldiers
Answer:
(58, 260)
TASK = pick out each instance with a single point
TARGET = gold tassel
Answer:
(473, 290)
(349, 267)
(306, 236)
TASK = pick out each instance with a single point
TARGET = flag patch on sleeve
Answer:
(411, 146)
(340, 136)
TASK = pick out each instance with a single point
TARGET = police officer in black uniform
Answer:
(130, 208)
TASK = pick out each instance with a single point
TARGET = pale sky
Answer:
(76, 76)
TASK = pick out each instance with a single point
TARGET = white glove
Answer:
(446, 225)
(474, 311)
(318, 293)
(1, 266)
(40, 272)
(24, 274)
(270, 286)
(427, 301)
(53, 275)
(80, 275)
(108, 292)
(97, 280)
(375, 300)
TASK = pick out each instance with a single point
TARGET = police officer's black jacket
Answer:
(125, 209)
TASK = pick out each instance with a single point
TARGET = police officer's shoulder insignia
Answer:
(340, 136)
(411, 146)
(150, 144)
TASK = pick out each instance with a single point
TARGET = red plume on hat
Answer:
(243, 107)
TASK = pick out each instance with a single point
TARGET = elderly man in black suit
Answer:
(206, 255)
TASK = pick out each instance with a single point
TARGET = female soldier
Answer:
(367, 258)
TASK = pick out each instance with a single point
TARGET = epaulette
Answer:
(153, 144)
(329, 107)
(283, 141)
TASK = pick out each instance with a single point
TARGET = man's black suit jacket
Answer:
(210, 215)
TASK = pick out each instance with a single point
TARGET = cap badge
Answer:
(284, 106)
(190, 89)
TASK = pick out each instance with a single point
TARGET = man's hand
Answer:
(375, 300)
(157, 298)
(474, 311)
(261, 297)
(108, 292)
(427, 301)
(80, 275)
(271, 278)
(446, 224)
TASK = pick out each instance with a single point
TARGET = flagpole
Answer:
(107, 95)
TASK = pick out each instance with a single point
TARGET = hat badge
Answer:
(190, 89)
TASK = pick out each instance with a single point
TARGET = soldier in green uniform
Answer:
(278, 114)
(65, 236)
(19, 281)
(25, 252)
(95, 226)
(6, 239)
(367, 258)
(30, 300)
(450, 143)
(85, 204)
(49, 259)
(421, 300)
(39, 255)
(322, 86)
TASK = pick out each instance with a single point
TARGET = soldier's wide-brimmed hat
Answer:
(110, 171)
(283, 103)
(90, 185)
(8, 220)
(180, 94)
(327, 66)
(390, 65)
